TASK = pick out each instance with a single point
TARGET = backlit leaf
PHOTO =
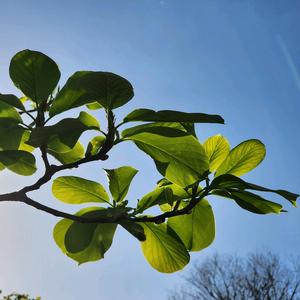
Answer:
(77, 190)
(119, 181)
(217, 148)
(243, 158)
(163, 251)
(197, 229)
(84, 242)
(178, 156)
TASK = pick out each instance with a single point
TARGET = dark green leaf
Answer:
(35, 74)
(148, 115)
(13, 101)
(9, 113)
(249, 201)
(134, 228)
(18, 161)
(67, 131)
(84, 87)
(10, 134)
(166, 129)
(230, 181)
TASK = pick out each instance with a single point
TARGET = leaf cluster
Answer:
(190, 171)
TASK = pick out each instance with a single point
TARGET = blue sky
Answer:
(240, 59)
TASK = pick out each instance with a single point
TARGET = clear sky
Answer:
(238, 58)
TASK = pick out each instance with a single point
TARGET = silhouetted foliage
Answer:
(261, 276)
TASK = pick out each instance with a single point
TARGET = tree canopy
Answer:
(259, 276)
(190, 172)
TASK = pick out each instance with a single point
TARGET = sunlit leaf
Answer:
(197, 229)
(163, 251)
(95, 145)
(159, 196)
(94, 106)
(243, 158)
(178, 156)
(84, 242)
(119, 181)
(75, 154)
(217, 148)
(76, 190)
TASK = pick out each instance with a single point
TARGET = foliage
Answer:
(259, 276)
(191, 172)
(16, 296)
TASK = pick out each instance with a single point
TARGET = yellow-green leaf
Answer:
(77, 190)
(217, 148)
(163, 252)
(197, 229)
(243, 158)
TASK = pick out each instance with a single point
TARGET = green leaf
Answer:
(197, 229)
(178, 156)
(68, 157)
(35, 74)
(230, 181)
(84, 242)
(76, 190)
(94, 106)
(119, 181)
(17, 161)
(171, 129)
(24, 139)
(83, 87)
(159, 196)
(149, 115)
(243, 158)
(9, 113)
(249, 201)
(217, 148)
(67, 131)
(10, 134)
(163, 251)
(12, 100)
(95, 145)
(134, 228)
